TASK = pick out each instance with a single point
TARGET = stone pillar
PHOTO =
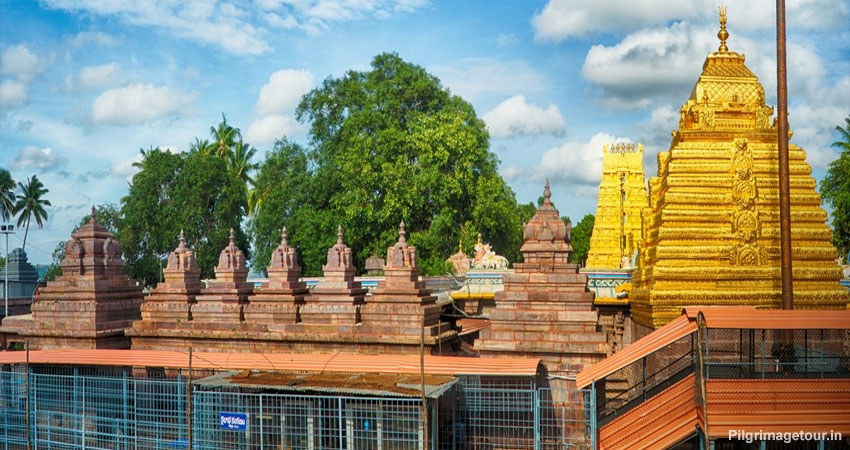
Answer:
(281, 301)
(171, 301)
(401, 301)
(337, 298)
(220, 304)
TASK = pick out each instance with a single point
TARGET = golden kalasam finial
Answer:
(723, 34)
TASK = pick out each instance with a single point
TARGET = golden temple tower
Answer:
(711, 232)
(622, 197)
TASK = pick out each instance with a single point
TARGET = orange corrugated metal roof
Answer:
(468, 325)
(302, 362)
(677, 328)
(660, 422)
(776, 319)
(746, 317)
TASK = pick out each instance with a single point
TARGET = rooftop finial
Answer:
(182, 239)
(283, 237)
(460, 245)
(232, 238)
(723, 34)
(401, 233)
(547, 193)
(339, 234)
(91, 220)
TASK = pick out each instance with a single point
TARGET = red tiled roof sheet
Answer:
(301, 362)
(771, 319)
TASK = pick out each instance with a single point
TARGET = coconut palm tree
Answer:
(843, 143)
(7, 195)
(203, 147)
(225, 138)
(239, 161)
(31, 205)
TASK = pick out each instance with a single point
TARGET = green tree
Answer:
(54, 270)
(7, 195)
(224, 138)
(30, 204)
(581, 239)
(239, 162)
(192, 191)
(203, 146)
(389, 144)
(835, 190)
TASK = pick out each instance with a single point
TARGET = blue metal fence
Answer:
(78, 408)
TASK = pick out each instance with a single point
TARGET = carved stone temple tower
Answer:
(280, 302)
(90, 304)
(220, 305)
(401, 304)
(711, 233)
(622, 198)
(171, 300)
(545, 310)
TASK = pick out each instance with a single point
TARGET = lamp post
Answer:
(7, 230)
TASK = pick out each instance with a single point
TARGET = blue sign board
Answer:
(233, 421)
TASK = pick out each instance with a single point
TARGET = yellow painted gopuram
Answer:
(711, 232)
(622, 198)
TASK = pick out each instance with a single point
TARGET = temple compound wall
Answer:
(230, 314)
(711, 232)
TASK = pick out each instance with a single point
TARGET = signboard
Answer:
(233, 421)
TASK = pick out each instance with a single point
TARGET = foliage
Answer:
(388, 144)
(58, 255)
(835, 190)
(581, 239)
(7, 195)
(30, 204)
(191, 191)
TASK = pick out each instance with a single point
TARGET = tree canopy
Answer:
(386, 145)
(191, 191)
(581, 239)
(835, 190)
(30, 204)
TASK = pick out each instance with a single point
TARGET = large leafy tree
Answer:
(835, 190)
(389, 144)
(7, 195)
(193, 192)
(30, 205)
(581, 239)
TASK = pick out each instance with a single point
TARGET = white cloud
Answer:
(40, 158)
(20, 62)
(513, 172)
(13, 94)
(575, 162)
(283, 91)
(138, 103)
(562, 19)
(648, 64)
(95, 76)
(475, 78)
(506, 39)
(233, 26)
(515, 116)
(266, 129)
(93, 37)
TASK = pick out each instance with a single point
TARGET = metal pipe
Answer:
(29, 443)
(784, 185)
(189, 401)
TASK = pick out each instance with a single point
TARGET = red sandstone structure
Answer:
(89, 305)
(281, 301)
(337, 316)
(545, 309)
(401, 305)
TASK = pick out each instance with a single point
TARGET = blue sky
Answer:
(84, 84)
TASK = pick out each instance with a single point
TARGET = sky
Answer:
(85, 84)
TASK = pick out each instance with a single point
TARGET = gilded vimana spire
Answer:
(711, 232)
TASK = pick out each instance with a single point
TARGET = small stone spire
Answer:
(547, 193)
(91, 219)
(232, 238)
(182, 240)
(284, 242)
(460, 245)
(723, 34)
(402, 235)
(339, 234)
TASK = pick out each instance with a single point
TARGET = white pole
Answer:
(6, 280)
